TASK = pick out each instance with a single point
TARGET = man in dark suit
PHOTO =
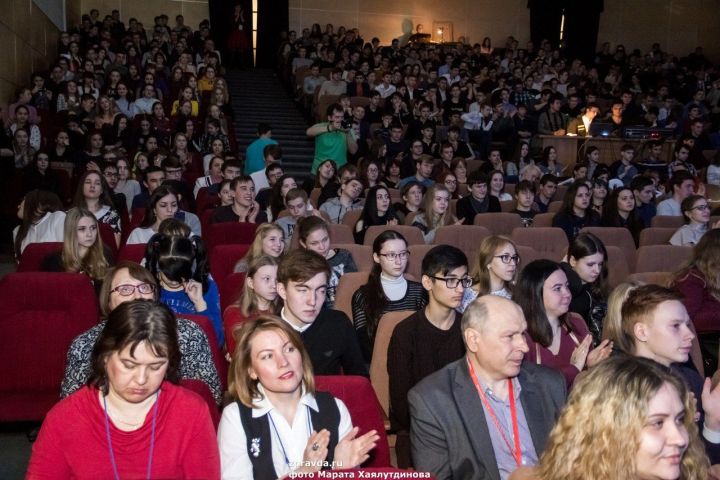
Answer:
(486, 414)
(580, 126)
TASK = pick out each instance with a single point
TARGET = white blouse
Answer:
(235, 463)
(48, 229)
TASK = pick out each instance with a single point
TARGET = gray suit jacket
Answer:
(448, 432)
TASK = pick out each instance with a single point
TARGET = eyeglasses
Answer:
(392, 256)
(453, 282)
(506, 258)
(127, 290)
(702, 208)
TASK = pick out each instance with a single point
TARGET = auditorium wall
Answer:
(678, 25)
(194, 11)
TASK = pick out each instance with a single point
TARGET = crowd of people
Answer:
(138, 123)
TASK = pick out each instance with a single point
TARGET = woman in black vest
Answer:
(279, 424)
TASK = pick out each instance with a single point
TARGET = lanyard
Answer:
(277, 434)
(515, 452)
(152, 438)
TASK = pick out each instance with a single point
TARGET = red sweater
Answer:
(703, 308)
(233, 317)
(561, 361)
(73, 444)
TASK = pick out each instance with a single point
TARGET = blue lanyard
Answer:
(152, 438)
(277, 434)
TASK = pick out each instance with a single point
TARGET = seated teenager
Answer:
(696, 213)
(436, 213)
(180, 266)
(575, 212)
(126, 282)
(244, 207)
(423, 172)
(546, 192)
(163, 205)
(412, 199)
(387, 289)
(296, 201)
(556, 338)
(83, 250)
(494, 270)
(524, 198)
(654, 324)
(586, 270)
(258, 297)
(131, 400)
(313, 235)
(327, 334)
(620, 212)
(377, 211)
(277, 198)
(348, 200)
(427, 340)
(479, 200)
(269, 240)
(292, 428)
(94, 194)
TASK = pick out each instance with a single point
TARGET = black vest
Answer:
(259, 438)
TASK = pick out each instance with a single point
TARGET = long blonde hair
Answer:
(94, 263)
(598, 433)
(256, 250)
(248, 302)
(431, 218)
(485, 255)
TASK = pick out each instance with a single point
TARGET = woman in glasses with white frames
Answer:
(556, 338)
(696, 211)
(129, 281)
(387, 289)
(493, 271)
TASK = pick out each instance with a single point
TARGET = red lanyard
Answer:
(515, 452)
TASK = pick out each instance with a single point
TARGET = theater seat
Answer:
(465, 237)
(359, 397)
(218, 358)
(361, 254)
(347, 286)
(378, 365)
(223, 259)
(656, 236)
(133, 253)
(40, 315)
(229, 233)
(543, 219)
(662, 258)
(501, 223)
(667, 221)
(34, 254)
(618, 270)
(230, 289)
(549, 242)
(201, 388)
(417, 253)
(619, 237)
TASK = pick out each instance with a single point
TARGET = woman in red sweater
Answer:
(699, 283)
(131, 420)
(556, 338)
(258, 297)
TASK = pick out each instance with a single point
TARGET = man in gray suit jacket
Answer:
(466, 422)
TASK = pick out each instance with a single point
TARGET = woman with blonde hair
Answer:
(494, 270)
(627, 418)
(272, 383)
(258, 297)
(436, 212)
(269, 240)
(83, 250)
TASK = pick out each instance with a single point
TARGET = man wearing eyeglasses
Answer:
(427, 340)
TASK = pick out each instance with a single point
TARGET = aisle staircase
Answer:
(258, 96)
